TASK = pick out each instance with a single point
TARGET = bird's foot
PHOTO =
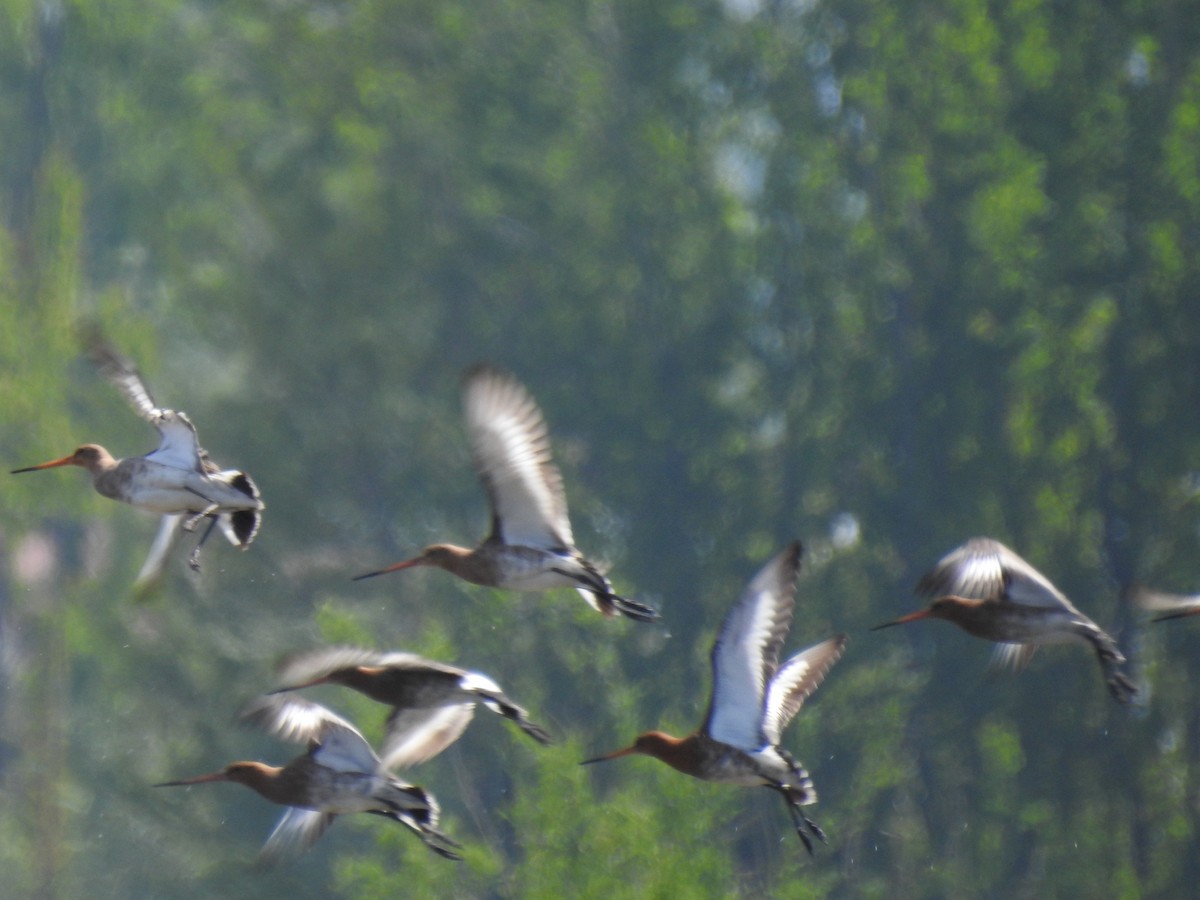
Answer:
(441, 843)
(801, 821)
(1122, 688)
(535, 731)
(632, 609)
(516, 715)
(808, 844)
(189, 524)
(817, 831)
(194, 559)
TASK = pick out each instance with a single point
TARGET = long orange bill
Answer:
(65, 461)
(911, 617)
(1179, 614)
(296, 687)
(199, 779)
(397, 567)
(607, 756)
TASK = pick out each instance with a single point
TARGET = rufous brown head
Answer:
(86, 457)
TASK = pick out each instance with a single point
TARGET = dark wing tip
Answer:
(104, 354)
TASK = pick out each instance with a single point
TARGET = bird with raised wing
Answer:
(177, 480)
(339, 774)
(990, 592)
(432, 703)
(753, 698)
(530, 547)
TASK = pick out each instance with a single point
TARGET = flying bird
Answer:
(178, 480)
(989, 591)
(530, 547)
(753, 698)
(432, 703)
(339, 774)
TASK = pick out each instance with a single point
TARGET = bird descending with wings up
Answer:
(530, 547)
(177, 480)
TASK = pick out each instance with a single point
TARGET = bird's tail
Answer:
(416, 808)
(417, 802)
(598, 592)
(431, 836)
(632, 609)
(800, 789)
(611, 604)
(240, 525)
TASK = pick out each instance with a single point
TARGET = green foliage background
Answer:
(880, 276)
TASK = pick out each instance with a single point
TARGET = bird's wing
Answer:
(156, 562)
(511, 449)
(795, 681)
(480, 684)
(178, 446)
(415, 735)
(124, 376)
(746, 652)
(1013, 656)
(984, 569)
(303, 667)
(297, 830)
(333, 742)
(398, 659)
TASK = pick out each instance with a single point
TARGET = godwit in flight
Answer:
(339, 774)
(531, 547)
(177, 480)
(753, 698)
(988, 591)
(432, 703)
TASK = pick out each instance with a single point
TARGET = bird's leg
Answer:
(189, 524)
(589, 579)
(609, 602)
(799, 820)
(817, 830)
(1111, 659)
(194, 558)
(433, 838)
(501, 704)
